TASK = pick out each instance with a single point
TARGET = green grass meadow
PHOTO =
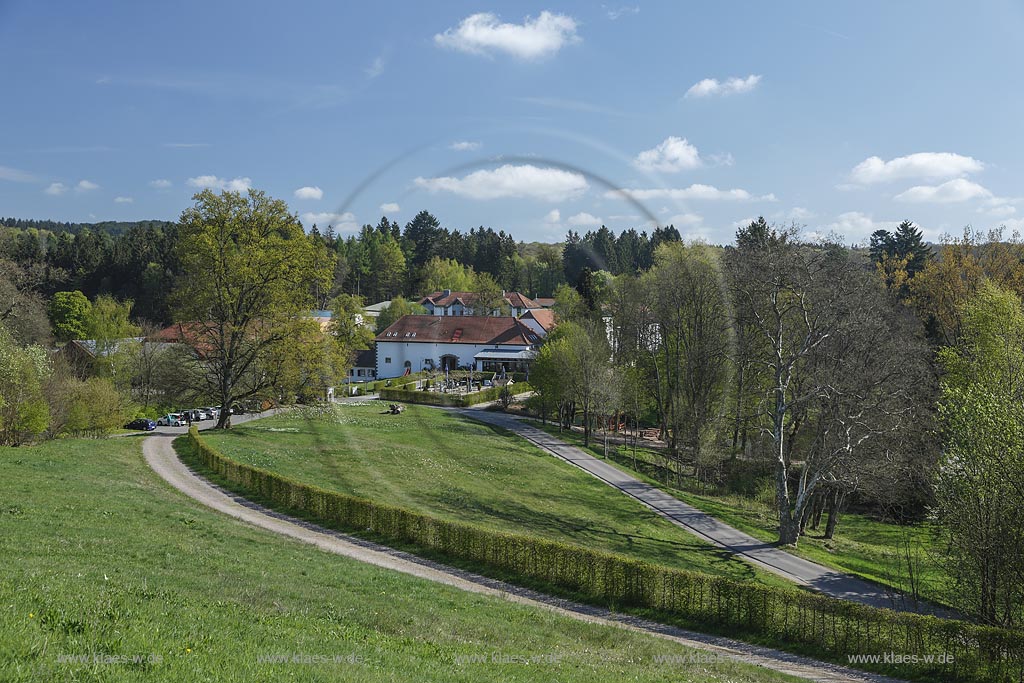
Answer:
(437, 462)
(102, 559)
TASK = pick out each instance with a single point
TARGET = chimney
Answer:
(447, 292)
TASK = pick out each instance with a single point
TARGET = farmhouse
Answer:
(447, 302)
(450, 342)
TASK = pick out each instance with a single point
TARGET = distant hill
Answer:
(111, 227)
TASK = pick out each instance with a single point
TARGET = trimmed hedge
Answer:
(837, 627)
(434, 398)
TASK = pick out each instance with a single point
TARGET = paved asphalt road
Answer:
(765, 555)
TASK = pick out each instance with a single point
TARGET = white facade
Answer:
(393, 357)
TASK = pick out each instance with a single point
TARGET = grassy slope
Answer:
(430, 460)
(862, 546)
(102, 557)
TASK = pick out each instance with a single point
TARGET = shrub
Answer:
(834, 626)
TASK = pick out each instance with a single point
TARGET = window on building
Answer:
(387, 360)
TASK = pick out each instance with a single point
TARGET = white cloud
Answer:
(56, 189)
(212, 182)
(309, 192)
(160, 183)
(86, 186)
(341, 221)
(376, 68)
(553, 216)
(730, 86)
(932, 165)
(1000, 210)
(695, 191)
(584, 219)
(15, 175)
(525, 181)
(798, 213)
(672, 154)
(618, 12)
(390, 207)
(464, 146)
(956, 190)
(686, 220)
(123, 200)
(857, 225)
(482, 33)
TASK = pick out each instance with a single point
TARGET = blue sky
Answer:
(526, 117)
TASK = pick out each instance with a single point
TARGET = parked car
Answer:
(142, 424)
(172, 420)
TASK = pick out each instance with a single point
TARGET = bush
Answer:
(834, 626)
(96, 408)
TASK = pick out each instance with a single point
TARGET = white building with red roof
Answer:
(451, 342)
(447, 302)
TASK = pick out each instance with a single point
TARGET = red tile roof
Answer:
(545, 317)
(459, 330)
(446, 299)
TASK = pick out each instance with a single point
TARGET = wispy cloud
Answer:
(341, 221)
(123, 200)
(160, 183)
(212, 182)
(509, 181)
(485, 34)
(571, 105)
(86, 186)
(695, 191)
(16, 175)
(390, 207)
(464, 146)
(730, 86)
(376, 67)
(619, 12)
(56, 189)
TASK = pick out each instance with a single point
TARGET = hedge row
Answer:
(837, 627)
(434, 398)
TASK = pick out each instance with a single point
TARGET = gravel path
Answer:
(161, 457)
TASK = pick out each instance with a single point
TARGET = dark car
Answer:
(142, 424)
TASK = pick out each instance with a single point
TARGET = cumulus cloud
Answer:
(671, 155)
(464, 146)
(212, 182)
(509, 181)
(390, 207)
(951, 191)
(695, 191)
(56, 189)
(341, 221)
(309, 192)
(86, 186)
(123, 200)
(584, 219)
(730, 86)
(933, 165)
(160, 183)
(553, 216)
(484, 34)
